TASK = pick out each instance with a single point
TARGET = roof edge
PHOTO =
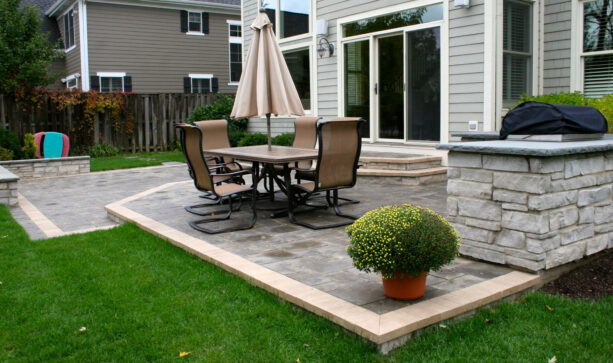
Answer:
(185, 3)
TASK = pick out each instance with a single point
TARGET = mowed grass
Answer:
(142, 299)
(128, 160)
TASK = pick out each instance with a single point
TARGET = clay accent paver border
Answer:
(372, 326)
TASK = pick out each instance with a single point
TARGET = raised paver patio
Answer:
(309, 268)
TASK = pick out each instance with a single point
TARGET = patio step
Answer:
(400, 163)
(402, 170)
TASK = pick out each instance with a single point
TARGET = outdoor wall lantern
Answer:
(324, 45)
(462, 3)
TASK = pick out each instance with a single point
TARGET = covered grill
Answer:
(546, 122)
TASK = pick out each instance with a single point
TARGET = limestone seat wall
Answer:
(531, 211)
(41, 168)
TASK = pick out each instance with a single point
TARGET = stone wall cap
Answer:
(485, 135)
(6, 176)
(47, 160)
(532, 148)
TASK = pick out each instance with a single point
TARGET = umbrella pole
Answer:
(268, 127)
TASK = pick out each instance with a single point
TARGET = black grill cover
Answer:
(536, 118)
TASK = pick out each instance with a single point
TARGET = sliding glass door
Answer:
(357, 82)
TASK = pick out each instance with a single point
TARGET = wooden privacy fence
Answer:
(146, 121)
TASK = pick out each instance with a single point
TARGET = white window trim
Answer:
(577, 63)
(194, 32)
(73, 9)
(233, 40)
(74, 76)
(444, 28)
(200, 75)
(112, 75)
(294, 37)
(312, 68)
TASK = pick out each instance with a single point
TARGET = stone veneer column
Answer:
(532, 211)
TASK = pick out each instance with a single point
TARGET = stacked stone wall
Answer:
(41, 168)
(534, 212)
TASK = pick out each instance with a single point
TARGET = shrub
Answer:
(286, 139)
(6, 154)
(103, 150)
(603, 104)
(404, 238)
(221, 109)
(253, 139)
(10, 141)
(29, 147)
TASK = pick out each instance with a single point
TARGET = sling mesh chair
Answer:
(305, 136)
(215, 136)
(340, 144)
(191, 142)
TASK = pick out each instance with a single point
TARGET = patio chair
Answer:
(305, 136)
(340, 144)
(215, 136)
(191, 142)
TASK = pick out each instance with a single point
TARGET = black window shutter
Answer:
(205, 23)
(187, 85)
(214, 85)
(94, 83)
(127, 83)
(183, 21)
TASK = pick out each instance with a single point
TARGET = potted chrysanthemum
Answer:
(403, 243)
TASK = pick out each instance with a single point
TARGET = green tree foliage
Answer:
(25, 53)
(10, 141)
(221, 109)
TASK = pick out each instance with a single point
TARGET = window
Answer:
(394, 20)
(517, 51)
(69, 30)
(293, 16)
(597, 52)
(200, 83)
(299, 67)
(111, 82)
(236, 49)
(193, 23)
(72, 81)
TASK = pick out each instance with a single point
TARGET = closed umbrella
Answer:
(266, 86)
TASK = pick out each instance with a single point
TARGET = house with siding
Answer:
(421, 70)
(150, 46)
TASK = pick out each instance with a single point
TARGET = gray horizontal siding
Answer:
(148, 45)
(466, 78)
(557, 32)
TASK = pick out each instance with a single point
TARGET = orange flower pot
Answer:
(406, 287)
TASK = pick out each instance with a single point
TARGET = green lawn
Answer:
(142, 299)
(125, 161)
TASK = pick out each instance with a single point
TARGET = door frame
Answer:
(371, 37)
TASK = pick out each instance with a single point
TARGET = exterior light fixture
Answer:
(324, 45)
(462, 3)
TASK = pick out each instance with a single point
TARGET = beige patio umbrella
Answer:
(266, 86)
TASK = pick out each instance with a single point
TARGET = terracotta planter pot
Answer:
(405, 288)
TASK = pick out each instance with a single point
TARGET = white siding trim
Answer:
(576, 46)
(235, 22)
(489, 66)
(83, 45)
(444, 82)
(499, 13)
(315, 59)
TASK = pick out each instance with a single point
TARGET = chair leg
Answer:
(334, 203)
(197, 225)
(194, 208)
(347, 200)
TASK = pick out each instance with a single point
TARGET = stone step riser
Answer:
(400, 166)
(426, 179)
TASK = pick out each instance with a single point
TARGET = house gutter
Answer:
(155, 3)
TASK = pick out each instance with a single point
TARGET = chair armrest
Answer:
(234, 173)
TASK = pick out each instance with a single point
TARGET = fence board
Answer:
(154, 115)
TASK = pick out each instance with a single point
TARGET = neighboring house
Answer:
(420, 70)
(150, 46)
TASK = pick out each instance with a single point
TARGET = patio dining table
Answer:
(259, 154)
